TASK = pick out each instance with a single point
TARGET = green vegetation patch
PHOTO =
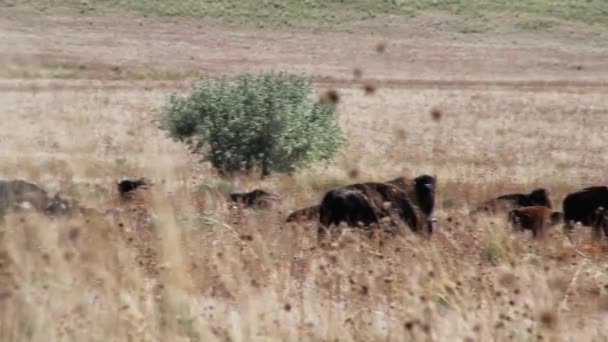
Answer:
(335, 12)
(266, 121)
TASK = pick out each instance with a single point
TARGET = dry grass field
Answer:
(520, 109)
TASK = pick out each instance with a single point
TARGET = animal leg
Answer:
(538, 229)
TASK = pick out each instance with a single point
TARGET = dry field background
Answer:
(521, 109)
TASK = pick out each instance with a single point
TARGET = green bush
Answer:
(266, 121)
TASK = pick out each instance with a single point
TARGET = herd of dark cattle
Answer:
(412, 202)
(368, 205)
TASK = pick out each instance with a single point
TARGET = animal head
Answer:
(426, 182)
(127, 185)
(540, 196)
(425, 186)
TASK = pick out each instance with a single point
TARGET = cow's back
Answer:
(581, 205)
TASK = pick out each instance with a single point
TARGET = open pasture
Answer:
(519, 109)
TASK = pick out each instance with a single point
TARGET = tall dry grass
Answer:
(175, 263)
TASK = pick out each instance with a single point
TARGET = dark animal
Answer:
(305, 214)
(127, 185)
(385, 200)
(351, 206)
(534, 218)
(257, 198)
(421, 190)
(16, 194)
(587, 206)
(508, 202)
(600, 222)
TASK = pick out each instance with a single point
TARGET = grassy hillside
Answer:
(331, 12)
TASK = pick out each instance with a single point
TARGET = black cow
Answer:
(587, 206)
(384, 199)
(421, 190)
(127, 185)
(19, 193)
(539, 196)
(257, 198)
(351, 206)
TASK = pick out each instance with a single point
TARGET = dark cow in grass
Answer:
(16, 194)
(256, 199)
(386, 200)
(421, 190)
(349, 205)
(126, 186)
(587, 206)
(534, 218)
(505, 203)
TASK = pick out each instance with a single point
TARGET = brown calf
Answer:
(535, 218)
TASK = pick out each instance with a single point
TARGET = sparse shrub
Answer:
(449, 202)
(267, 121)
(493, 248)
(532, 259)
(222, 186)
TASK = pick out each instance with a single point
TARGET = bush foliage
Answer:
(265, 121)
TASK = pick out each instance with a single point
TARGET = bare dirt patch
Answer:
(201, 45)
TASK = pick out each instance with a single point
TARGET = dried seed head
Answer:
(507, 279)
(436, 114)
(246, 237)
(381, 47)
(364, 290)
(548, 319)
(408, 325)
(73, 234)
(369, 89)
(331, 97)
(68, 256)
(401, 134)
